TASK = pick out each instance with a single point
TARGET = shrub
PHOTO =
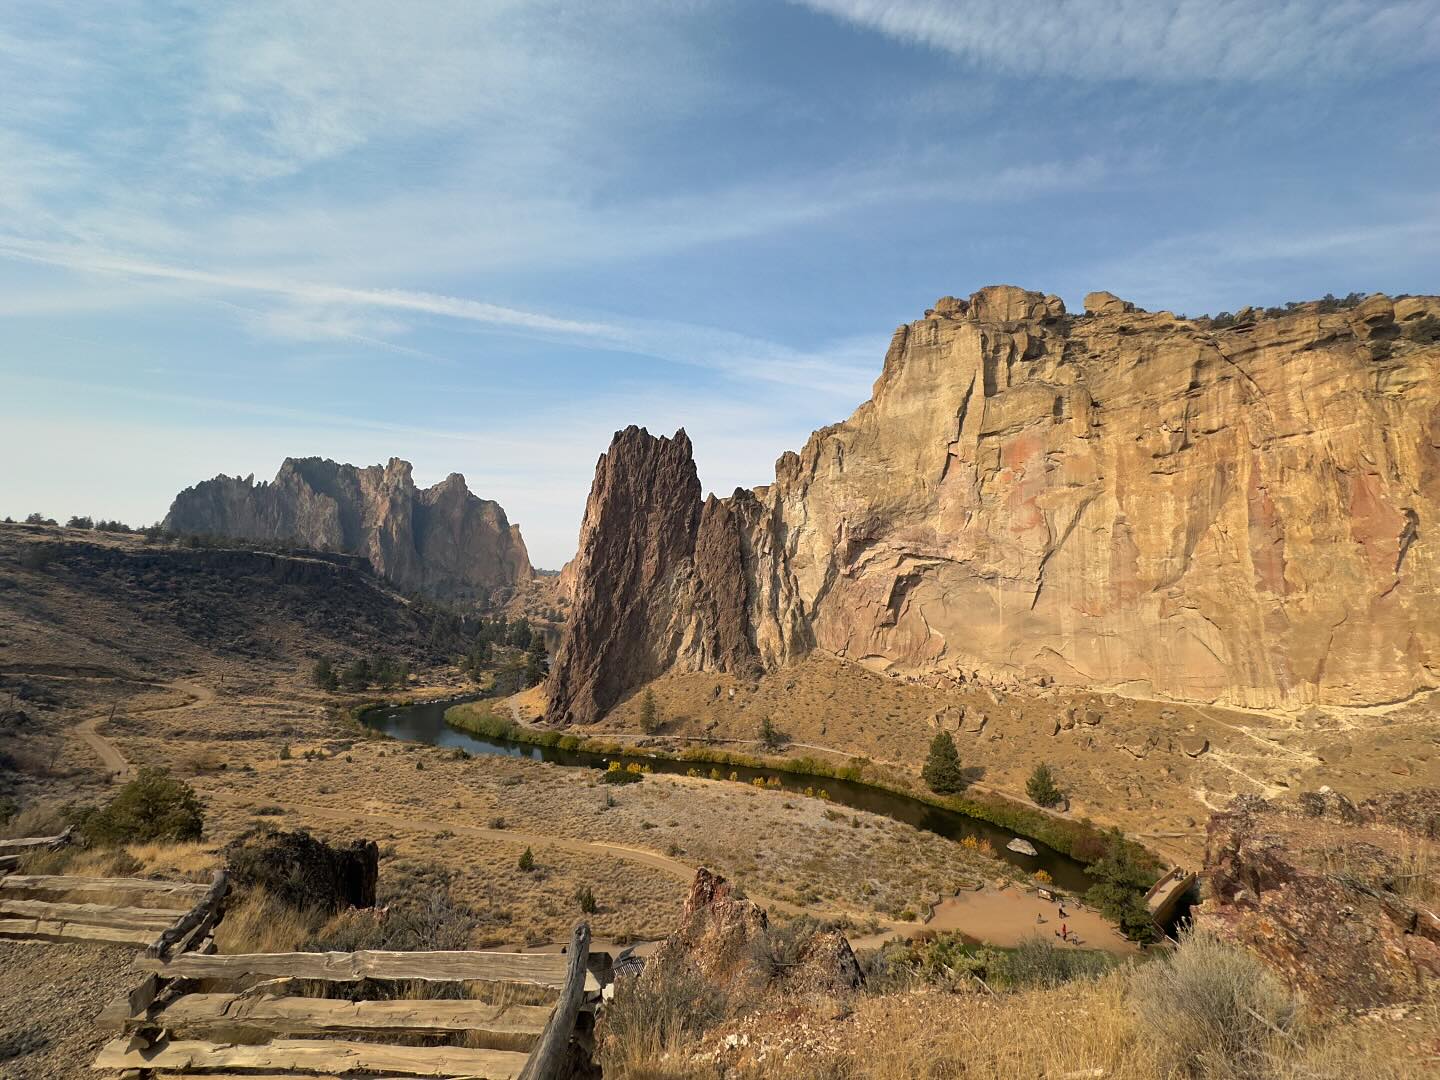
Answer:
(649, 716)
(1036, 962)
(781, 946)
(770, 736)
(615, 773)
(324, 675)
(285, 752)
(152, 807)
(1041, 787)
(586, 900)
(942, 766)
(78, 522)
(527, 861)
(1215, 1011)
(643, 1029)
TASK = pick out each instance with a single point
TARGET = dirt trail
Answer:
(87, 730)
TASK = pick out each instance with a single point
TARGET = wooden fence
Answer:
(196, 1013)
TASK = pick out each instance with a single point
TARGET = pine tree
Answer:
(770, 736)
(527, 860)
(324, 675)
(1041, 787)
(537, 661)
(649, 715)
(942, 767)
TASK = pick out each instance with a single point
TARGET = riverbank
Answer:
(1080, 840)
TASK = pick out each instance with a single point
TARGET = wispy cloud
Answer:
(1164, 40)
(314, 311)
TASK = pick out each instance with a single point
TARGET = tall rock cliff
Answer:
(441, 540)
(1121, 500)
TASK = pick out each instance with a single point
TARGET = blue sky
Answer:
(482, 236)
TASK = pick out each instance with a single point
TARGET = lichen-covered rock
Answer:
(1241, 516)
(442, 540)
(1330, 894)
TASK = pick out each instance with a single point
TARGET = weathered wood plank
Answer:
(125, 918)
(547, 1059)
(206, 910)
(55, 930)
(312, 1055)
(117, 1014)
(30, 843)
(12, 883)
(541, 969)
(500, 1027)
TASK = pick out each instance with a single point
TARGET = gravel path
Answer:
(51, 995)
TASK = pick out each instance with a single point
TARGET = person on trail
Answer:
(1063, 913)
(1064, 932)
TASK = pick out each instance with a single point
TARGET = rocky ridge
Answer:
(441, 541)
(1124, 500)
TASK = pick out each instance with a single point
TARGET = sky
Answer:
(482, 236)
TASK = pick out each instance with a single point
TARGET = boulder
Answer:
(304, 873)
(1107, 303)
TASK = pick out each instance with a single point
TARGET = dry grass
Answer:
(255, 923)
(1185, 1016)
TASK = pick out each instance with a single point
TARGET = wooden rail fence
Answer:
(199, 1014)
(196, 1013)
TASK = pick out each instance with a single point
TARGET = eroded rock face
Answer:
(1123, 501)
(1331, 894)
(659, 579)
(442, 540)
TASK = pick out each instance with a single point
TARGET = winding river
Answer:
(425, 722)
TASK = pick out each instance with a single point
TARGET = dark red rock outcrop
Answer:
(658, 579)
(1330, 894)
(443, 540)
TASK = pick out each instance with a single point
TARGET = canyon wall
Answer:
(1121, 500)
(442, 540)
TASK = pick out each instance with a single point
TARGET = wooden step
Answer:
(540, 969)
(500, 1027)
(59, 930)
(311, 1056)
(123, 918)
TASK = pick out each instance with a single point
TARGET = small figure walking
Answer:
(1064, 932)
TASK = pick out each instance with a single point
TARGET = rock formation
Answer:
(1122, 500)
(442, 541)
(1333, 895)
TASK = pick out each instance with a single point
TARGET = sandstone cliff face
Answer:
(442, 540)
(1121, 501)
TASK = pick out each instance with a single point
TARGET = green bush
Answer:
(1036, 962)
(649, 715)
(586, 900)
(152, 807)
(942, 766)
(527, 860)
(1041, 787)
(1121, 882)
